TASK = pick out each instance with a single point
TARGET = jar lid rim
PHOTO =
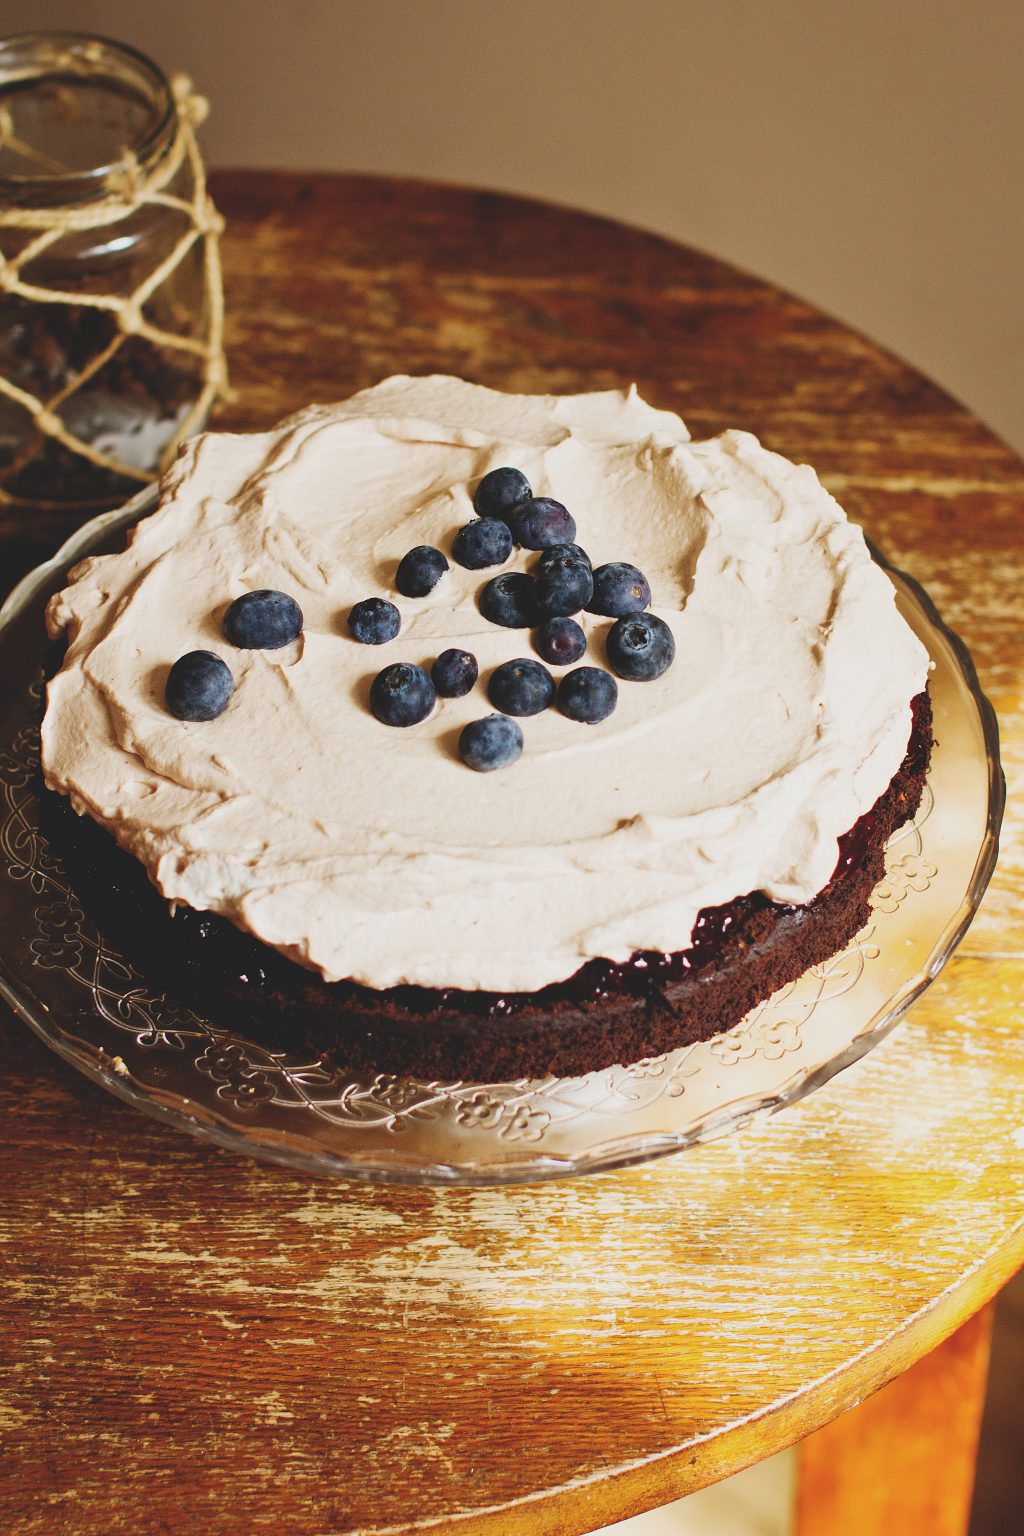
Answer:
(25, 56)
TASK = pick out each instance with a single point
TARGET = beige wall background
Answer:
(868, 155)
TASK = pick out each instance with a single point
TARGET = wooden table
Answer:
(196, 1344)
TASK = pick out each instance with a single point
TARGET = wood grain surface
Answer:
(193, 1343)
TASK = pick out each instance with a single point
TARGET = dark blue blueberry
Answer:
(485, 542)
(500, 492)
(494, 742)
(263, 621)
(564, 581)
(619, 589)
(560, 641)
(454, 673)
(510, 600)
(420, 571)
(588, 694)
(199, 686)
(574, 550)
(521, 687)
(374, 621)
(402, 694)
(541, 522)
(641, 647)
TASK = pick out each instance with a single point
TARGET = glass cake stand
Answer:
(89, 1003)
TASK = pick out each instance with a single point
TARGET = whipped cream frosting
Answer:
(369, 852)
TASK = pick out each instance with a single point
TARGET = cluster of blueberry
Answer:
(640, 646)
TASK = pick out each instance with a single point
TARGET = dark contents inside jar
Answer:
(129, 409)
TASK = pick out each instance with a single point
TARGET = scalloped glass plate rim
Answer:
(534, 1166)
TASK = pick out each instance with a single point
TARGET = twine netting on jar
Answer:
(127, 189)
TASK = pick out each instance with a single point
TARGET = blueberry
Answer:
(640, 647)
(521, 687)
(485, 542)
(402, 694)
(199, 686)
(374, 621)
(560, 641)
(541, 522)
(420, 571)
(574, 550)
(500, 492)
(619, 589)
(587, 694)
(263, 621)
(454, 673)
(564, 583)
(510, 600)
(494, 742)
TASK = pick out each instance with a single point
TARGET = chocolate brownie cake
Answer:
(477, 735)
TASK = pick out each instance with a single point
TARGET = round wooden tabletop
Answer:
(196, 1343)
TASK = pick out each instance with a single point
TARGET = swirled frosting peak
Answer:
(373, 853)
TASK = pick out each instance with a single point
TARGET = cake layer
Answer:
(372, 854)
(603, 1015)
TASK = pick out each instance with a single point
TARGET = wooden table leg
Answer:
(904, 1459)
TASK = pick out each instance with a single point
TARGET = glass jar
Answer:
(110, 300)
